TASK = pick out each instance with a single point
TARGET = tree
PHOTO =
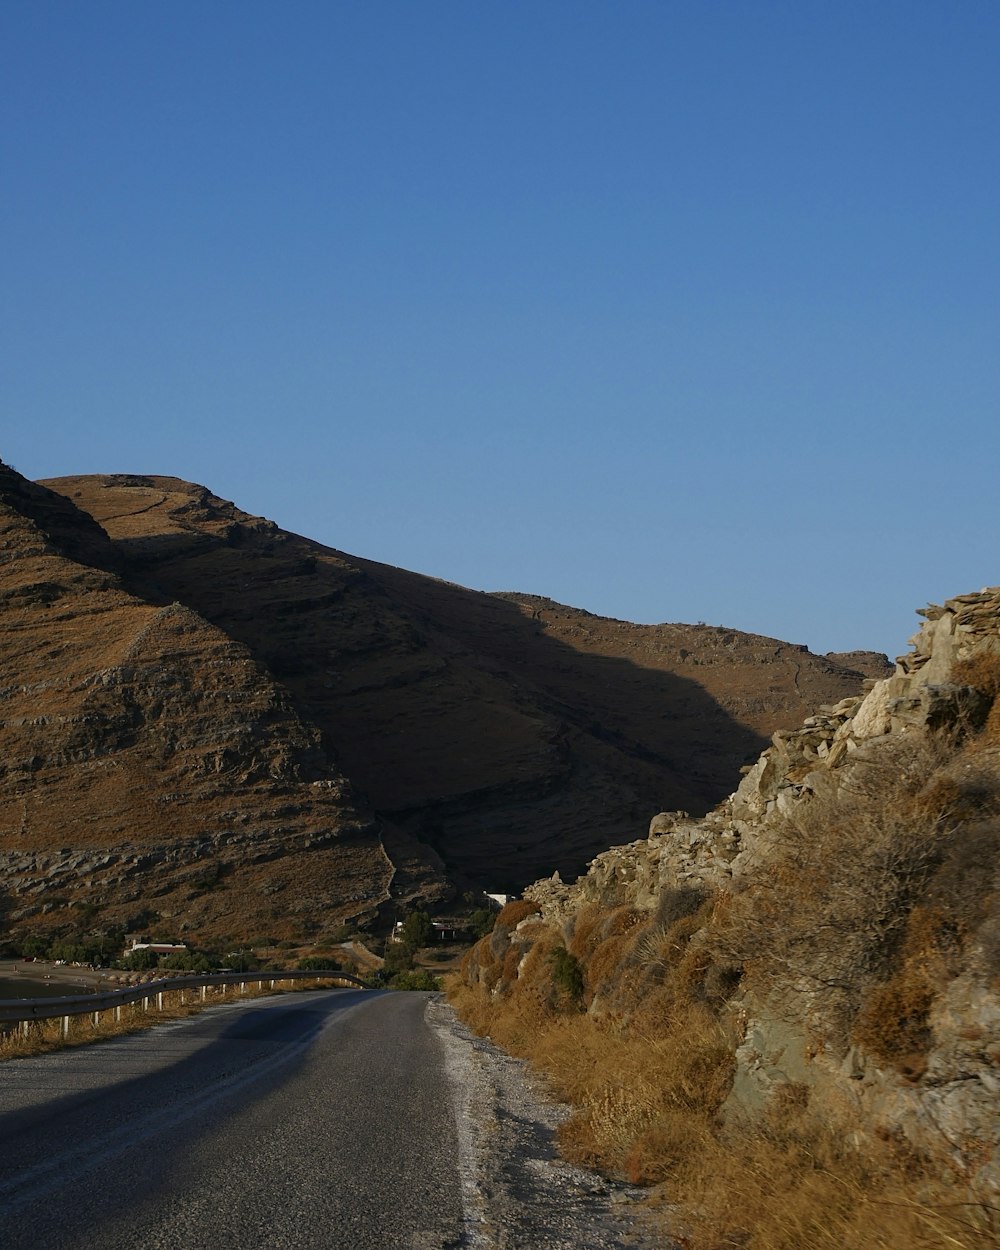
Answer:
(481, 922)
(398, 958)
(141, 960)
(186, 961)
(417, 930)
(323, 962)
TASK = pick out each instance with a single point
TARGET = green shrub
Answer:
(323, 962)
(566, 972)
(398, 958)
(186, 961)
(481, 921)
(418, 979)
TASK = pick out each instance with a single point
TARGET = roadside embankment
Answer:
(785, 1017)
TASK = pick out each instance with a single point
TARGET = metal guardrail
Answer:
(15, 1010)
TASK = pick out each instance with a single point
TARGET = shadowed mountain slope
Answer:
(147, 760)
(509, 734)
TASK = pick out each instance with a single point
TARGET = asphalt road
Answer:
(319, 1121)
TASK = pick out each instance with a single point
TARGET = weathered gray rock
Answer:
(950, 1111)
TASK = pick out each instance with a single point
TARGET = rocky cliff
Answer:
(838, 915)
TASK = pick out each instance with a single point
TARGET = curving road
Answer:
(319, 1121)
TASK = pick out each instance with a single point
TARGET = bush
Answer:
(512, 913)
(481, 921)
(893, 1021)
(418, 979)
(981, 671)
(186, 961)
(829, 915)
(398, 958)
(321, 962)
(567, 973)
(141, 961)
(240, 961)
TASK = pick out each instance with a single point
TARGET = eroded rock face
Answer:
(944, 1099)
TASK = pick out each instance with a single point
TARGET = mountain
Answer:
(148, 763)
(187, 677)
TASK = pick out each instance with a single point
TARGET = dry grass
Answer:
(982, 671)
(892, 1024)
(828, 918)
(515, 911)
(868, 907)
(645, 1108)
(585, 933)
(796, 1188)
(893, 1021)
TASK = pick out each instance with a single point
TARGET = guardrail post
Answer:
(20, 1015)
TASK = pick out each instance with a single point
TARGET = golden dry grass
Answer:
(785, 1189)
(515, 911)
(872, 902)
(645, 1108)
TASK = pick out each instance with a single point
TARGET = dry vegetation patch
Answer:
(871, 903)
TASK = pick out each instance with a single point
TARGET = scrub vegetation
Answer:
(869, 909)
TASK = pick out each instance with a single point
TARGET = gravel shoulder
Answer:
(517, 1193)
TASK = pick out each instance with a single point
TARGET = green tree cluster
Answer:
(416, 931)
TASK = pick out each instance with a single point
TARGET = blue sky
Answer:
(672, 311)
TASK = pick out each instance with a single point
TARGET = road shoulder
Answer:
(516, 1190)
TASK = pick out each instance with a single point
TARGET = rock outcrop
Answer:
(871, 979)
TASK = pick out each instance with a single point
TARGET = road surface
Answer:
(321, 1120)
(333, 1120)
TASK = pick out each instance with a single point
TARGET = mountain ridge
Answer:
(481, 739)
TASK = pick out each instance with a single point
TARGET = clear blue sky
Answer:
(672, 311)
